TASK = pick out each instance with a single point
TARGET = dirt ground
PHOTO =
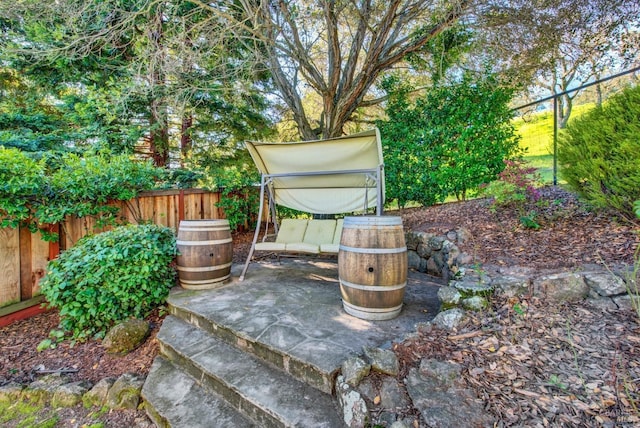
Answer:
(532, 364)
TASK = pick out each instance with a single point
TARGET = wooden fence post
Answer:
(26, 280)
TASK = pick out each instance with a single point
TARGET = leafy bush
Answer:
(447, 142)
(600, 153)
(84, 185)
(36, 192)
(237, 184)
(22, 179)
(110, 277)
(515, 185)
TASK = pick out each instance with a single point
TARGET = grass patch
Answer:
(544, 166)
(536, 137)
(27, 414)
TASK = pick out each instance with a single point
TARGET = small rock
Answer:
(628, 302)
(511, 286)
(605, 284)
(391, 395)
(603, 303)
(433, 268)
(449, 296)
(450, 319)
(97, 396)
(354, 370)
(441, 402)
(562, 287)
(368, 390)
(446, 373)
(411, 239)
(69, 394)
(462, 235)
(472, 285)
(416, 262)
(11, 392)
(424, 251)
(386, 419)
(475, 303)
(125, 392)
(42, 389)
(435, 242)
(126, 336)
(354, 408)
(383, 360)
(452, 252)
(464, 259)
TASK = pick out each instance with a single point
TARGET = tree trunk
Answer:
(159, 118)
(186, 142)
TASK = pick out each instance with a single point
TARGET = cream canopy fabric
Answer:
(333, 176)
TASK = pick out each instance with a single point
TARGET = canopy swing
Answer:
(339, 175)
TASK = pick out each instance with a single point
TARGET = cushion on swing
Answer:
(305, 236)
(334, 246)
(291, 230)
(317, 233)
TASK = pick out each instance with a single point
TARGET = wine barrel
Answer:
(372, 266)
(206, 252)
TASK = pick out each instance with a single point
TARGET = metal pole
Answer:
(257, 232)
(555, 140)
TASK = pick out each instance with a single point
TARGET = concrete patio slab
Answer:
(294, 309)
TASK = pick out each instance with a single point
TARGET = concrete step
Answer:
(175, 399)
(310, 362)
(264, 393)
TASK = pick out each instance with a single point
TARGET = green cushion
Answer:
(302, 247)
(291, 230)
(319, 232)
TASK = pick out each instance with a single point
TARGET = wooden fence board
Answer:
(39, 260)
(210, 207)
(26, 279)
(192, 207)
(9, 266)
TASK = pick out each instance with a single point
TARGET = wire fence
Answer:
(539, 128)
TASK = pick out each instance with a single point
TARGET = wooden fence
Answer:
(24, 256)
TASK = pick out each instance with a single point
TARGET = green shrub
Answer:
(84, 186)
(110, 277)
(600, 153)
(22, 180)
(449, 141)
(34, 193)
(515, 185)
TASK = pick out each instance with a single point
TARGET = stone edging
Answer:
(58, 390)
(440, 255)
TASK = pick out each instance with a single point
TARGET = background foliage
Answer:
(447, 142)
(110, 277)
(600, 153)
(38, 192)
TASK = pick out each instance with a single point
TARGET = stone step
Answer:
(264, 393)
(174, 399)
(309, 362)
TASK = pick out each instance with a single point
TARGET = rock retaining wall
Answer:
(58, 390)
(436, 254)
(615, 287)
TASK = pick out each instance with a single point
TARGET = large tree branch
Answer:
(375, 63)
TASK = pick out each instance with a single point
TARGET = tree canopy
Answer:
(180, 79)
